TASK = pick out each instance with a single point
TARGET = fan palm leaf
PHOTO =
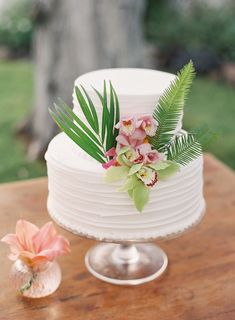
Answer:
(89, 136)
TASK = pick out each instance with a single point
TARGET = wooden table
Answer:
(198, 285)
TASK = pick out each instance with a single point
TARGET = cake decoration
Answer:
(140, 150)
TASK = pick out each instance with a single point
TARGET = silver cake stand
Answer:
(126, 262)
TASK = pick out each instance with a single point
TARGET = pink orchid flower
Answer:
(127, 125)
(147, 155)
(34, 245)
(110, 153)
(136, 139)
(148, 124)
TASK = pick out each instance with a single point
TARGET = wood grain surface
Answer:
(198, 285)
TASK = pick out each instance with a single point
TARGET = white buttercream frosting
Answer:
(138, 90)
(80, 199)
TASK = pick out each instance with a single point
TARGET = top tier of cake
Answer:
(138, 90)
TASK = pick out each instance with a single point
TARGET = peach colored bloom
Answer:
(34, 245)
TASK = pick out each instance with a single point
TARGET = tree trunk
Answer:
(73, 37)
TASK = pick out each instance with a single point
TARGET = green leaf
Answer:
(77, 139)
(110, 116)
(87, 135)
(170, 106)
(159, 166)
(135, 168)
(27, 285)
(169, 171)
(67, 115)
(116, 173)
(130, 193)
(140, 196)
(95, 146)
(117, 111)
(129, 184)
(184, 149)
(93, 111)
(66, 109)
(110, 142)
(85, 108)
(105, 112)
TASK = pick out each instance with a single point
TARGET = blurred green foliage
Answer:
(16, 27)
(212, 103)
(201, 27)
(16, 90)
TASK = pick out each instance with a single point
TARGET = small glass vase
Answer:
(35, 282)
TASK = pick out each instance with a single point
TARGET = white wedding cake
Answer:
(82, 201)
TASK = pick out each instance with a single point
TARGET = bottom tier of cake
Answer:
(82, 202)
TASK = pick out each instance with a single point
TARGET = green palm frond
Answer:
(117, 112)
(170, 106)
(184, 149)
(85, 108)
(77, 133)
(93, 111)
(89, 136)
(187, 147)
(110, 116)
(105, 112)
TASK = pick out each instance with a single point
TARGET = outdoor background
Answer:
(169, 32)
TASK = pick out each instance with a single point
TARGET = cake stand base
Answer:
(126, 264)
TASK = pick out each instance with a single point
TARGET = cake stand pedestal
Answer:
(126, 263)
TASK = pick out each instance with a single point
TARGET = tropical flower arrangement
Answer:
(140, 150)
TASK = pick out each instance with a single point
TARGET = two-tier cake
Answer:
(83, 202)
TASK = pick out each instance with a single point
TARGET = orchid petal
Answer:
(122, 139)
(144, 148)
(123, 150)
(135, 168)
(111, 152)
(138, 134)
(109, 164)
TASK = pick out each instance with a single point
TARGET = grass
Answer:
(16, 91)
(209, 102)
(213, 103)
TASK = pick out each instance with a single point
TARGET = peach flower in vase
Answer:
(35, 273)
